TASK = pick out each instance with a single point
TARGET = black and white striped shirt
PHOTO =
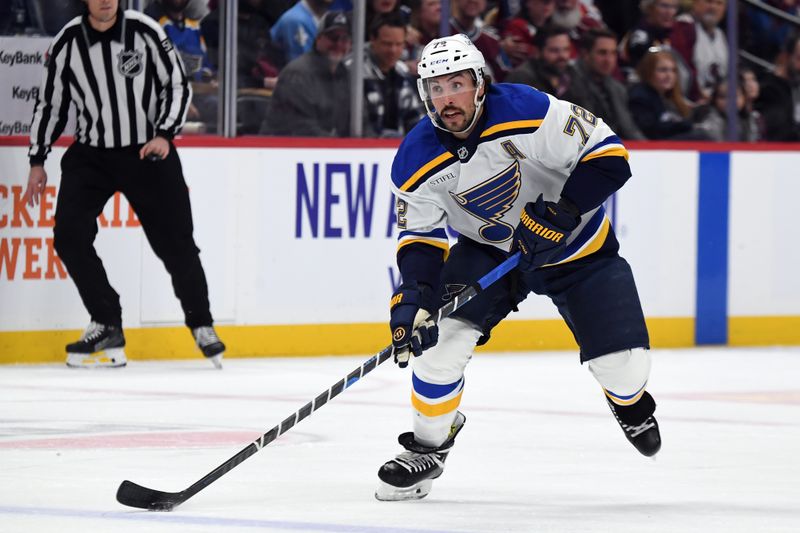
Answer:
(127, 83)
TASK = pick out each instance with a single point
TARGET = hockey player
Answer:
(510, 168)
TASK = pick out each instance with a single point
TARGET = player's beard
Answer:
(458, 122)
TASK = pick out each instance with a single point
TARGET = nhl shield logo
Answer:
(129, 63)
(463, 153)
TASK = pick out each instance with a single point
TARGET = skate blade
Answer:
(390, 493)
(216, 360)
(108, 358)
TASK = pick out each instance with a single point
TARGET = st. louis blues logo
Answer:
(489, 201)
(129, 63)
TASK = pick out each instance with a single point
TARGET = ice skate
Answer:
(639, 424)
(410, 475)
(209, 343)
(100, 346)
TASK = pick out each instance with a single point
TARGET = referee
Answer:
(130, 92)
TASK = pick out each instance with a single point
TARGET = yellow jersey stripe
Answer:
(425, 169)
(592, 245)
(503, 126)
(610, 151)
(445, 246)
(437, 409)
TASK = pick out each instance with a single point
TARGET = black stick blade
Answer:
(133, 495)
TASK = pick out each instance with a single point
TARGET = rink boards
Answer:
(297, 239)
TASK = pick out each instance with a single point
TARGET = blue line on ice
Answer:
(144, 516)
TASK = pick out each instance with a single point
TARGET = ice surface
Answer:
(540, 450)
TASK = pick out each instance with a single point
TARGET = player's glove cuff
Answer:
(413, 331)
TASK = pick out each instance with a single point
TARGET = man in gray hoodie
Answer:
(312, 96)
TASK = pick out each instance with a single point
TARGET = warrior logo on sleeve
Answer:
(490, 200)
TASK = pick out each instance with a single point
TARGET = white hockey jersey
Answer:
(526, 143)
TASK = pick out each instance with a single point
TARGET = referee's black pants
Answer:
(160, 198)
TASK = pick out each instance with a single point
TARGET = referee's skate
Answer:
(101, 345)
(209, 343)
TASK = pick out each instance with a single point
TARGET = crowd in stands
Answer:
(652, 69)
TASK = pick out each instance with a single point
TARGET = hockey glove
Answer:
(542, 232)
(412, 329)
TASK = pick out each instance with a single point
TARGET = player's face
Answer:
(602, 58)
(453, 97)
(388, 46)
(102, 10)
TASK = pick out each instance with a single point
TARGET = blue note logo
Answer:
(490, 200)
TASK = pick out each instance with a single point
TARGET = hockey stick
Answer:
(134, 495)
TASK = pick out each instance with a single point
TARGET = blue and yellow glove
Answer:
(542, 232)
(413, 331)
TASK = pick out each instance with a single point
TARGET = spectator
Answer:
(577, 18)
(538, 13)
(376, 8)
(594, 87)
(652, 30)
(185, 34)
(619, 15)
(657, 103)
(255, 67)
(15, 18)
(715, 115)
(424, 22)
(312, 96)
(755, 130)
(519, 33)
(779, 101)
(761, 32)
(269, 11)
(294, 32)
(466, 19)
(195, 9)
(393, 106)
(702, 45)
(551, 72)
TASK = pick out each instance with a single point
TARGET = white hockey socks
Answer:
(623, 375)
(438, 380)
